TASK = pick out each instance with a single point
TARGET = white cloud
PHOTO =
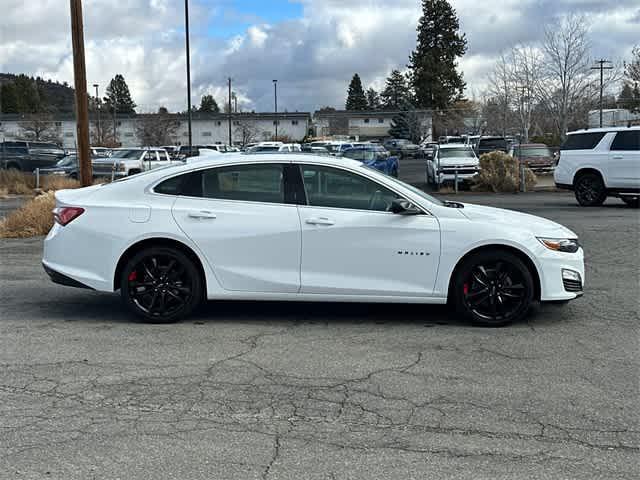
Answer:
(313, 57)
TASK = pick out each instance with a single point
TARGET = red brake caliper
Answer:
(465, 288)
(133, 276)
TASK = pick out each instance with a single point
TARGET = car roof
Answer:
(604, 129)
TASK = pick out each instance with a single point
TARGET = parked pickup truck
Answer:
(401, 147)
(27, 156)
(129, 161)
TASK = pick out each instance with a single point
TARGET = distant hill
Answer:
(24, 94)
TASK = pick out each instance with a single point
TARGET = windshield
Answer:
(266, 149)
(456, 153)
(68, 161)
(533, 152)
(127, 154)
(415, 190)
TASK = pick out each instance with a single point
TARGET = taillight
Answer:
(64, 215)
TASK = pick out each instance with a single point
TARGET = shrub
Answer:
(499, 172)
(33, 218)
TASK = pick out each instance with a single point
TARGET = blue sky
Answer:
(233, 17)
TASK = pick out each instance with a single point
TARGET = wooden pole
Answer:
(82, 98)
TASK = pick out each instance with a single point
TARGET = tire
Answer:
(492, 288)
(161, 285)
(633, 202)
(133, 171)
(589, 190)
(73, 176)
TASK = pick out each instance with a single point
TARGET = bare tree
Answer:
(632, 69)
(246, 131)
(566, 71)
(157, 129)
(500, 92)
(40, 126)
(525, 76)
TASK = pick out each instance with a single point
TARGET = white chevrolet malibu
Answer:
(303, 228)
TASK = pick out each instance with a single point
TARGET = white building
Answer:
(206, 128)
(363, 125)
(613, 117)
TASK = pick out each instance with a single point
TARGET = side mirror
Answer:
(404, 207)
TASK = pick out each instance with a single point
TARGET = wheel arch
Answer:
(526, 259)
(158, 242)
(585, 170)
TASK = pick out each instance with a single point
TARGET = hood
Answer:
(538, 226)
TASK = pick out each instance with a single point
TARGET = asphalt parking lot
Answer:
(327, 391)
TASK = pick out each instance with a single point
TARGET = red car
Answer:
(537, 156)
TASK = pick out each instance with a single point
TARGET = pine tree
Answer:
(118, 94)
(356, 99)
(396, 91)
(208, 104)
(9, 98)
(406, 123)
(434, 77)
(373, 99)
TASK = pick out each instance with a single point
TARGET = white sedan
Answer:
(303, 228)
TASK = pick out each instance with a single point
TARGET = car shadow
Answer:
(83, 306)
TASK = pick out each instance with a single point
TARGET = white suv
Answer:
(601, 162)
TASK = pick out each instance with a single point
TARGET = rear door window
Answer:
(582, 141)
(627, 141)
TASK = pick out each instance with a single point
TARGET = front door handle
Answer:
(617, 157)
(320, 221)
(202, 215)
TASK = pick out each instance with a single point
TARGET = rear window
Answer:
(493, 143)
(582, 141)
(627, 141)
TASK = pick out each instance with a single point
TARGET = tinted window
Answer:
(253, 183)
(456, 153)
(582, 141)
(330, 187)
(171, 186)
(493, 143)
(627, 140)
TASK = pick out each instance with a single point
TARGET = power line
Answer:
(602, 66)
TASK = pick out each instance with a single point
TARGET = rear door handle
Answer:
(617, 157)
(320, 221)
(202, 215)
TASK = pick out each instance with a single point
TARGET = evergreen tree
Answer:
(406, 123)
(356, 99)
(118, 94)
(396, 91)
(434, 78)
(373, 99)
(208, 104)
(9, 98)
(629, 97)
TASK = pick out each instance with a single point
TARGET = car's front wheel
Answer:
(161, 285)
(493, 288)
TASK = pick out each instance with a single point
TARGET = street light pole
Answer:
(99, 139)
(186, 24)
(275, 99)
(229, 114)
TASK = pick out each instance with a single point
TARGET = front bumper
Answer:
(451, 177)
(561, 275)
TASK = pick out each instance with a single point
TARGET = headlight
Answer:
(569, 245)
(121, 167)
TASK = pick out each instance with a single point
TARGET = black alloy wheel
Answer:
(589, 190)
(161, 285)
(494, 288)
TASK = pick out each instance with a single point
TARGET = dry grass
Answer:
(16, 182)
(32, 219)
(499, 172)
(54, 182)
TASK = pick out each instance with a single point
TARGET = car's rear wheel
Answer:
(633, 202)
(493, 288)
(589, 190)
(161, 285)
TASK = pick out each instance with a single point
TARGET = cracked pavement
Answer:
(255, 390)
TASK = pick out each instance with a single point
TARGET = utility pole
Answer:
(602, 67)
(230, 139)
(275, 99)
(82, 99)
(100, 136)
(186, 25)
